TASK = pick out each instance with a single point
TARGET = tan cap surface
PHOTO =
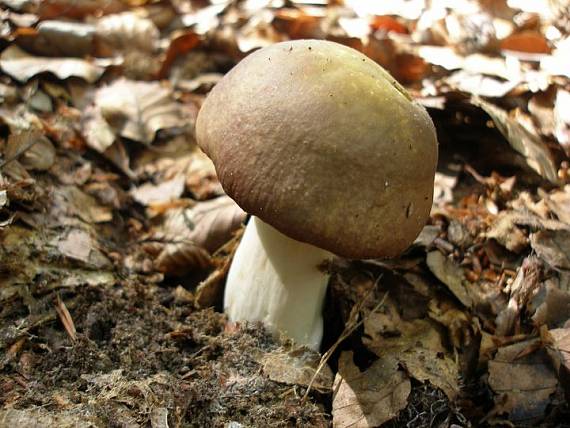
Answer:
(319, 141)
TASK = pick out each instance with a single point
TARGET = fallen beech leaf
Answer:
(79, 8)
(78, 245)
(559, 203)
(541, 107)
(23, 66)
(297, 367)
(526, 41)
(187, 237)
(59, 38)
(558, 63)
(150, 193)
(417, 346)
(551, 306)
(72, 201)
(562, 119)
(298, 24)
(525, 285)
(369, 398)
(480, 84)
(388, 24)
(179, 45)
(33, 150)
(126, 31)
(524, 139)
(523, 384)
(410, 68)
(558, 349)
(553, 246)
(451, 275)
(134, 110)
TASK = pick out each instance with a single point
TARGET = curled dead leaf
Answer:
(22, 66)
(369, 398)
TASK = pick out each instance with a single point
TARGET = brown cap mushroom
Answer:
(322, 143)
(330, 155)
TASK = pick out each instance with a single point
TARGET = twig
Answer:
(20, 151)
(66, 318)
(350, 327)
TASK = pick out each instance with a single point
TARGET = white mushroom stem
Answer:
(278, 280)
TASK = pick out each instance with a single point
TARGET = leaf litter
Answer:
(116, 235)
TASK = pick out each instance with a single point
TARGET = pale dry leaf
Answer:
(562, 119)
(443, 188)
(22, 66)
(559, 203)
(522, 137)
(126, 31)
(523, 288)
(72, 201)
(149, 193)
(541, 107)
(553, 246)
(558, 63)
(134, 110)
(369, 398)
(79, 246)
(297, 367)
(451, 274)
(559, 350)
(481, 85)
(551, 306)
(506, 232)
(523, 384)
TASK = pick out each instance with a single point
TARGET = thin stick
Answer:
(350, 327)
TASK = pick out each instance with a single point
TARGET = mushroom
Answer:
(331, 156)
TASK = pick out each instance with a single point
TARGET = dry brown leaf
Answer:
(297, 367)
(188, 236)
(559, 203)
(451, 275)
(59, 38)
(526, 41)
(369, 398)
(134, 110)
(417, 345)
(523, 288)
(541, 107)
(551, 306)
(553, 246)
(168, 190)
(79, 246)
(23, 66)
(126, 31)
(32, 149)
(79, 8)
(523, 384)
(71, 201)
(179, 46)
(562, 119)
(506, 231)
(522, 137)
(558, 348)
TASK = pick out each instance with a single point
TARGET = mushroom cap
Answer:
(322, 143)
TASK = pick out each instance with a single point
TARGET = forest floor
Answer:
(115, 235)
